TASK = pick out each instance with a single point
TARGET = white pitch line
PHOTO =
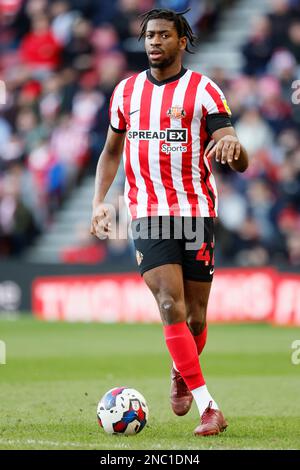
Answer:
(46, 443)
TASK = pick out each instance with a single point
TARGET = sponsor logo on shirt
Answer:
(168, 135)
(173, 138)
(173, 148)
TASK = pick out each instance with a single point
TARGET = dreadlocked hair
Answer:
(181, 24)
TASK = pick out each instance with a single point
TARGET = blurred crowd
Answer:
(60, 61)
(260, 211)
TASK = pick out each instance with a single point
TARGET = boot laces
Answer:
(208, 413)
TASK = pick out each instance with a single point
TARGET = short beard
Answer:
(163, 64)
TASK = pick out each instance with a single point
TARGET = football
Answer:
(122, 410)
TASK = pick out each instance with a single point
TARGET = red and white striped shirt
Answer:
(166, 136)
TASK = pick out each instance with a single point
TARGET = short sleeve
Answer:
(214, 99)
(116, 116)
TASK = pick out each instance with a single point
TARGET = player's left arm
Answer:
(227, 148)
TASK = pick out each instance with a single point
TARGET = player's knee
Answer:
(196, 326)
(167, 308)
(171, 310)
(197, 320)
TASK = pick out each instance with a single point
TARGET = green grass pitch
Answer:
(56, 373)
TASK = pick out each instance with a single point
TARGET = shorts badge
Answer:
(139, 257)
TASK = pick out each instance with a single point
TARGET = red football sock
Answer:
(183, 350)
(200, 340)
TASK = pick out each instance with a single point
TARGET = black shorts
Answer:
(188, 241)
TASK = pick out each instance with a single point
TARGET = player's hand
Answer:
(225, 150)
(101, 222)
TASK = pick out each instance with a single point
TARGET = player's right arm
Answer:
(107, 168)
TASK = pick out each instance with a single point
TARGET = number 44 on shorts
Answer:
(206, 255)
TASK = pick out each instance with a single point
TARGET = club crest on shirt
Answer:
(139, 257)
(176, 112)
